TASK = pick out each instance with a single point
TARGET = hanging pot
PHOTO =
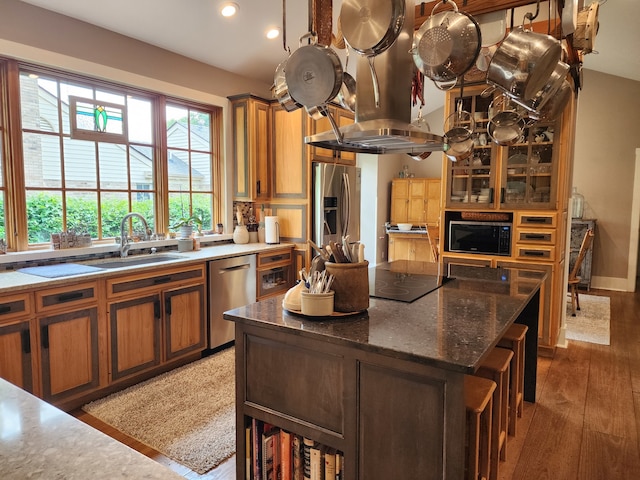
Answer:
(446, 45)
(506, 121)
(523, 63)
(370, 27)
(548, 91)
(458, 132)
(281, 90)
(313, 73)
(347, 93)
(555, 105)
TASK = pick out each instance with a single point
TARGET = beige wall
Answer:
(607, 134)
(25, 24)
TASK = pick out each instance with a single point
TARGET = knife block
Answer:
(351, 286)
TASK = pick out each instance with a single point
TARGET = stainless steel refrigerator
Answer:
(336, 203)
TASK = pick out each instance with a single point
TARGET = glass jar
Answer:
(577, 204)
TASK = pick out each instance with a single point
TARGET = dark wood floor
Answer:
(584, 425)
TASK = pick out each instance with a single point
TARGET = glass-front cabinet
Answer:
(529, 169)
(521, 175)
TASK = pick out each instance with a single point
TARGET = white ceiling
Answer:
(194, 28)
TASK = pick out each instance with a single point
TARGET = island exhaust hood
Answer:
(385, 128)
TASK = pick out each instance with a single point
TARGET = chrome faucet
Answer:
(124, 236)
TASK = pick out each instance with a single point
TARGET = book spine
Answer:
(247, 448)
(307, 445)
(286, 466)
(298, 460)
(329, 465)
(315, 455)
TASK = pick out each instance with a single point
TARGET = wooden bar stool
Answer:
(513, 339)
(478, 400)
(496, 368)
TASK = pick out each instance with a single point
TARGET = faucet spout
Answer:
(124, 236)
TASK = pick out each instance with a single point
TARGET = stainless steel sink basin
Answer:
(132, 261)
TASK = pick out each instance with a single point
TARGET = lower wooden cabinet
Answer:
(16, 364)
(153, 319)
(69, 353)
(274, 272)
(410, 247)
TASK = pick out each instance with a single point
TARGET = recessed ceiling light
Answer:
(273, 33)
(229, 9)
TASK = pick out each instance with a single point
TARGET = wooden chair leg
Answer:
(573, 300)
(577, 298)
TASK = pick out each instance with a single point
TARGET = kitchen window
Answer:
(87, 152)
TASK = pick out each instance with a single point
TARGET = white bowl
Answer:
(405, 227)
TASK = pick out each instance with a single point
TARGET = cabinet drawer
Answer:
(15, 306)
(122, 286)
(538, 237)
(548, 220)
(55, 298)
(531, 252)
(280, 257)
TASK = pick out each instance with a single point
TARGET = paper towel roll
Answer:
(271, 230)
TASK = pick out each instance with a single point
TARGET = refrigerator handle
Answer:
(345, 202)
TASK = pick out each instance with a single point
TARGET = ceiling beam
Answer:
(472, 7)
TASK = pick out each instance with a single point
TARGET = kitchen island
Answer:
(383, 387)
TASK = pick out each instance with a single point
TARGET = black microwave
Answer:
(492, 238)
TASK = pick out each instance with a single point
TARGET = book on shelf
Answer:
(247, 453)
(276, 454)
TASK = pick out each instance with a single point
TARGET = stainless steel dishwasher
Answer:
(232, 284)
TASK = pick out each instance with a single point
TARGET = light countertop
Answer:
(39, 441)
(13, 281)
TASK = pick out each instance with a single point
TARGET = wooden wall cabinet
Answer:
(68, 330)
(251, 117)
(288, 152)
(415, 200)
(17, 359)
(154, 318)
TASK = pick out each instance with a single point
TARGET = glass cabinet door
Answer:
(529, 169)
(472, 180)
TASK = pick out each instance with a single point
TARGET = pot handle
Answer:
(445, 86)
(308, 36)
(442, 2)
(374, 78)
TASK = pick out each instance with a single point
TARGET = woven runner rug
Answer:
(591, 323)
(187, 414)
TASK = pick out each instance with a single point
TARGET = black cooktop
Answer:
(401, 285)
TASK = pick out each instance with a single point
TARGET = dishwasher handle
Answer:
(244, 266)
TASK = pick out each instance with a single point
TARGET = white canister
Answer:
(271, 230)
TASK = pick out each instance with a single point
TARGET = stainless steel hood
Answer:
(385, 128)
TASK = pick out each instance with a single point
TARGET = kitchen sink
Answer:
(132, 261)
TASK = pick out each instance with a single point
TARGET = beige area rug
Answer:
(188, 414)
(591, 323)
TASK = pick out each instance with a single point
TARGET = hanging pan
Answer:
(370, 27)
(313, 73)
(446, 45)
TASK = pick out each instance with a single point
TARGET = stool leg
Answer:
(520, 390)
(505, 415)
(485, 450)
(474, 447)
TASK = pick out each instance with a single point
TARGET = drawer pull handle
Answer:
(534, 236)
(44, 336)
(536, 220)
(244, 266)
(276, 258)
(26, 342)
(156, 308)
(167, 305)
(66, 297)
(5, 309)
(159, 280)
(534, 253)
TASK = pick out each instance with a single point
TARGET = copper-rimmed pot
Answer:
(523, 63)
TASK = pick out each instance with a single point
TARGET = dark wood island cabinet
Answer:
(383, 387)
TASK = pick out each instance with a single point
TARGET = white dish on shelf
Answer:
(405, 227)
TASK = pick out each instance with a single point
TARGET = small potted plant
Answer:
(186, 224)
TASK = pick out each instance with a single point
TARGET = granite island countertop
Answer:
(39, 441)
(453, 327)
